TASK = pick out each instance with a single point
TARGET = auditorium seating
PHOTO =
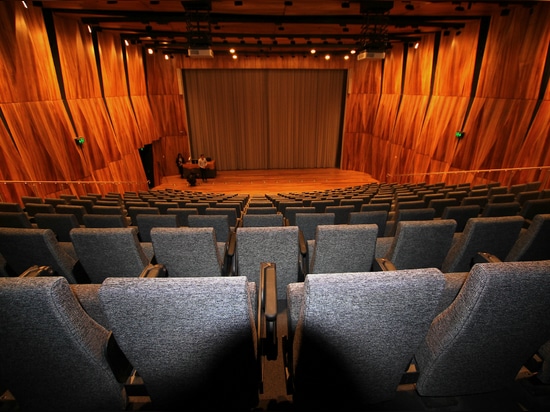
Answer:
(24, 247)
(210, 362)
(190, 252)
(495, 324)
(53, 356)
(418, 244)
(279, 245)
(146, 222)
(495, 235)
(356, 337)
(60, 223)
(107, 252)
(343, 248)
(257, 220)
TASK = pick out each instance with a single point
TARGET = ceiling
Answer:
(264, 27)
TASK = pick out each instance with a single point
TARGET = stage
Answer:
(260, 182)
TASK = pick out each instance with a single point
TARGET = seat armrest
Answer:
(154, 271)
(266, 319)
(267, 310)
(304, 256)
(35, 271)
(484, 257)
(239, 223)
(382, 264)
(231, 243)
(229, 252)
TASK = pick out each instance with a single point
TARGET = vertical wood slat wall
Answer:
(401, 113)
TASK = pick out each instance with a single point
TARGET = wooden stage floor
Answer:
(260, 182)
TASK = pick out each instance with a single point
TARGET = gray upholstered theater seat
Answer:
(280, 245)
(343, 248)
(191, 340)
(357, 334)
(290, 213)
(133, 211)
(378, 217)
(419, 244)
(220, 223)
(146, 222)
(105, 220)
(496, 323)
(261, 210)
(183, 214)
(341, 213)
(107, 252)
(60, 223)
(16, 220)
(533, 243)
(53, 356)
(461, 214)
(494, 235)
(266, 220)
(308, 222)
(23, 248)
(189, 251)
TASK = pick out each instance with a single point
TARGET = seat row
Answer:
(352, 338)
(97, 253)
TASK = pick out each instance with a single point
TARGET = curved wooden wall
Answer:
(400, 117)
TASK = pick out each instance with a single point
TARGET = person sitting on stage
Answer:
(192, 179)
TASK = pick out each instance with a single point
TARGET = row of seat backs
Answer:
(356, 333)
(191, 340)
(334, 248)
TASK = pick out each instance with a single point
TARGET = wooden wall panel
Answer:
(361, 112)
(162, 74)
(145, 120)
(365, 76)
(386, 115)
(77, 59)
(444, 117)
(169, 114)
(124, 123)
(93, 123)
(409, 120)
(112, 65)
(514, 58)
(12, 168)
(392, 73)
(535, 149)
(418, 73)
(44, 138)
(456, 59)
(494, 133)
(136, 71)
(140, 101)
(25, 57)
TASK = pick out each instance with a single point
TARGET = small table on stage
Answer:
(189, 168)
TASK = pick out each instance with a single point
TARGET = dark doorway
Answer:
(146, 154)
